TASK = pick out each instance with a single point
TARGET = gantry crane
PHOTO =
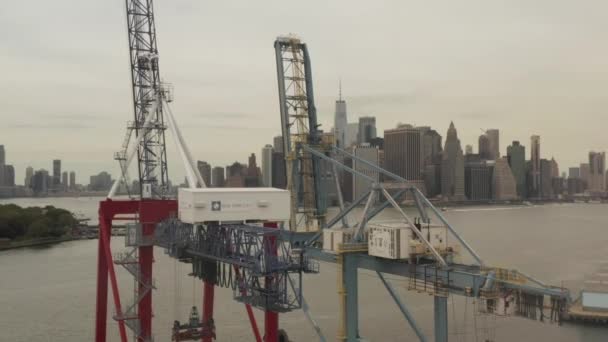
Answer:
(429, 265)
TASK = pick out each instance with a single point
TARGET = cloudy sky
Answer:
(525, 67)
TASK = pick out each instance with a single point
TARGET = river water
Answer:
(48, 293)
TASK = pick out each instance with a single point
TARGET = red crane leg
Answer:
(271, 318)
(144, 307)
(105, 229)
(208, 294)
(101, 312)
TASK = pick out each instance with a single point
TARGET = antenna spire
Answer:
(340, 88)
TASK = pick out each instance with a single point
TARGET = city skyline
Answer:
(549, 79)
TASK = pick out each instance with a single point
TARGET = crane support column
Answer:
(352, 296)
(271, 318)
(208, 299)
(441, 318)
(101, 311)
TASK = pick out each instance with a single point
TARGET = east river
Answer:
(48, 293)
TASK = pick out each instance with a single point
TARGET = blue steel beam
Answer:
(440, 306)
(408, 316)
(335, 162)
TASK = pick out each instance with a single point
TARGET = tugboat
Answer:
(194, 330)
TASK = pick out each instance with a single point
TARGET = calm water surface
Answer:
(48, 294)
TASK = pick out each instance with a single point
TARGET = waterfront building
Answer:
(574, 172)
(235, 175)
(40, 182)
(279, 173)
(2, 155)
(352, 130)
(8, 175)
(597, 170)
(493, 143)
(29, 175)
(516, 156)
(468, 149)
(217, 177)
(277, 143)
(267, 165)
(478, 179)
(431, 161)
(253, 177)
(535, 171)
(452, 167)
(546, 187)
(367, 129)
(585, 172)
(64, 181)
(403, 152)
(56, 173)
(72, 185)
(370, 154)
(483, 147)
(346, 181)
(100, 182)
(204, 169)
(504, 186)
(340, 121)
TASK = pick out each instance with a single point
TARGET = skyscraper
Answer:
(370, 154)
(72, 180)
(267, 165)
(478, 179)
(40, 182)
(340, 121)
(574, 172)
(468, 149)
(56, 173)
(29, 174)
(431, 160)
(217, 179)
(253, 176)
(205, 170)
(278, 143)
(546, 184)
(403, 152)
(279, 175)
(516, 155)
(9, 175)
(64, 181)
(597, 169)
(494, 143)
(585, 172)
(535, 165)
(367, 129)
(352, 130)
(504, 186)
(452, 167)
(2, 155)
(483, 147)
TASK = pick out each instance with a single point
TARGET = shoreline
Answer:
(36, 242)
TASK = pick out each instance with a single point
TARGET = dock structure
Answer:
(591, 306)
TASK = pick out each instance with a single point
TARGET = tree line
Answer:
(34, 222)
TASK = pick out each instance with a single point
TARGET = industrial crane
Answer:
(251, 253)
(422, 253)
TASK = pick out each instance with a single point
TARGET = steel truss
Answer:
(218, 251)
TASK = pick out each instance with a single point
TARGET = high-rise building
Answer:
(29, 175)
(597, 170)
(478, 179)
(253, 176)
(574, 172)
(40, 181)
(468, 149)
(277, 143)
(2, 155)
(483, 147)
(340, 121)
(452, 167)
(494, 143)
(64, 181)
(267, 165)
(370, 154)
(8, 175)
(235, 175)
(403, 152)
(431, 160)
(279, 173)
(217, 177)
(516, 155)
(504, 185)
(204, 169)
(367, 129)
(352, 130)
(56, 173)
(100, 182)
(72, 185)
(585, 172)
(535, 166)
(546, 179)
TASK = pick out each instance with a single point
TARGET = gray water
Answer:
(48, 294)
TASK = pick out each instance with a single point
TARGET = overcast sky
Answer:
(525, 67)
